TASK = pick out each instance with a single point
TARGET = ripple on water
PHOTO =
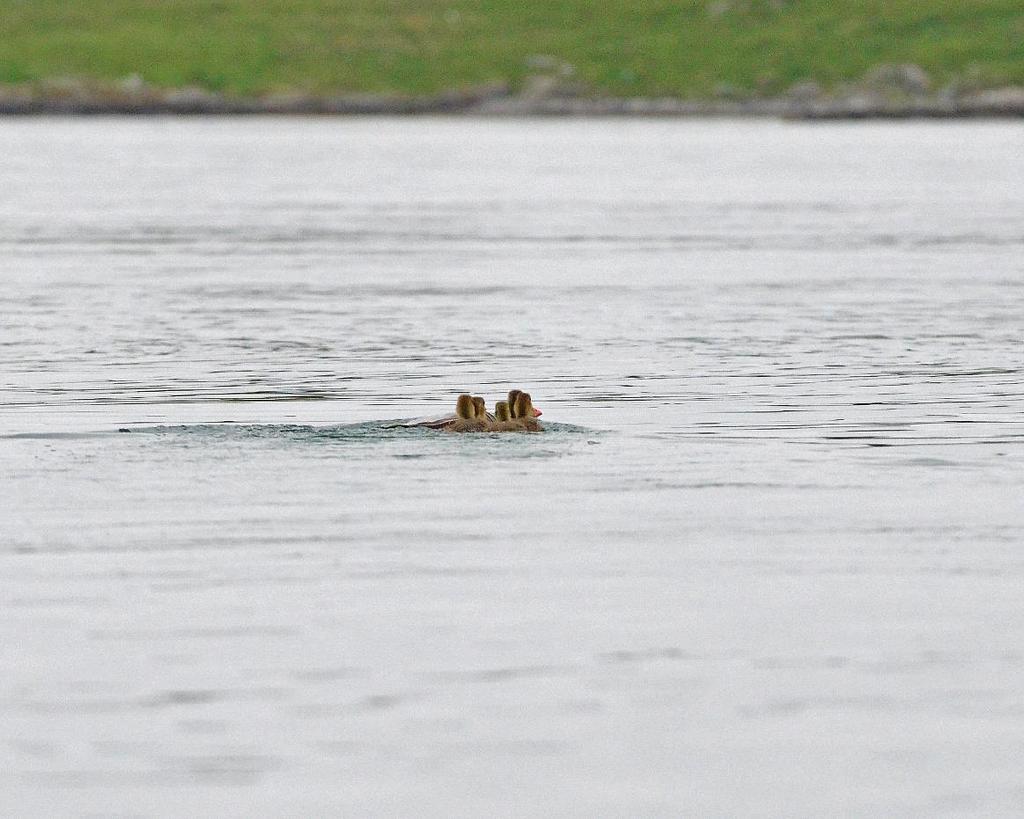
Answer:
(363, 432)
(798, 399)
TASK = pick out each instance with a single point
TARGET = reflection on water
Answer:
(773, 523)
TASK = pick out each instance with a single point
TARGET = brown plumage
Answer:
(513, 397)
(467, 420)
(503, 421)
(522, 413)
(515, 417)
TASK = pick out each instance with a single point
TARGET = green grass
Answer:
(622, 47)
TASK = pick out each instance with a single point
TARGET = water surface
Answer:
(765, 561)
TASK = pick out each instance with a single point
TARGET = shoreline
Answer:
(498, 101)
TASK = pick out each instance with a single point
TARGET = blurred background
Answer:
(765, 558)
(310, 54)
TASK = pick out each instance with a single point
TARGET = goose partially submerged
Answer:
(516, 415)
(503, 419)
(514, 396)
(525, 415)
(519, 417)
(471, 415)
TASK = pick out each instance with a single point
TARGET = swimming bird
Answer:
(443, 421)
(479, 411)
(513, 396)
(521, 417)
(524, 414)
(503, 421)
(470, 416)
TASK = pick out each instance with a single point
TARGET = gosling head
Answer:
(481, 408)
(524, 406)
(465, 408)
(513, 396)
(502, 412)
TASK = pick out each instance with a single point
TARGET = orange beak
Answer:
(537, 413)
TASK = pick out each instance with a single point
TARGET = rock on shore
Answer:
(886, 91)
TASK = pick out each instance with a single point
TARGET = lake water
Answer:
(767, 560)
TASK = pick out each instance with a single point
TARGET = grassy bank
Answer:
(619, 47)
